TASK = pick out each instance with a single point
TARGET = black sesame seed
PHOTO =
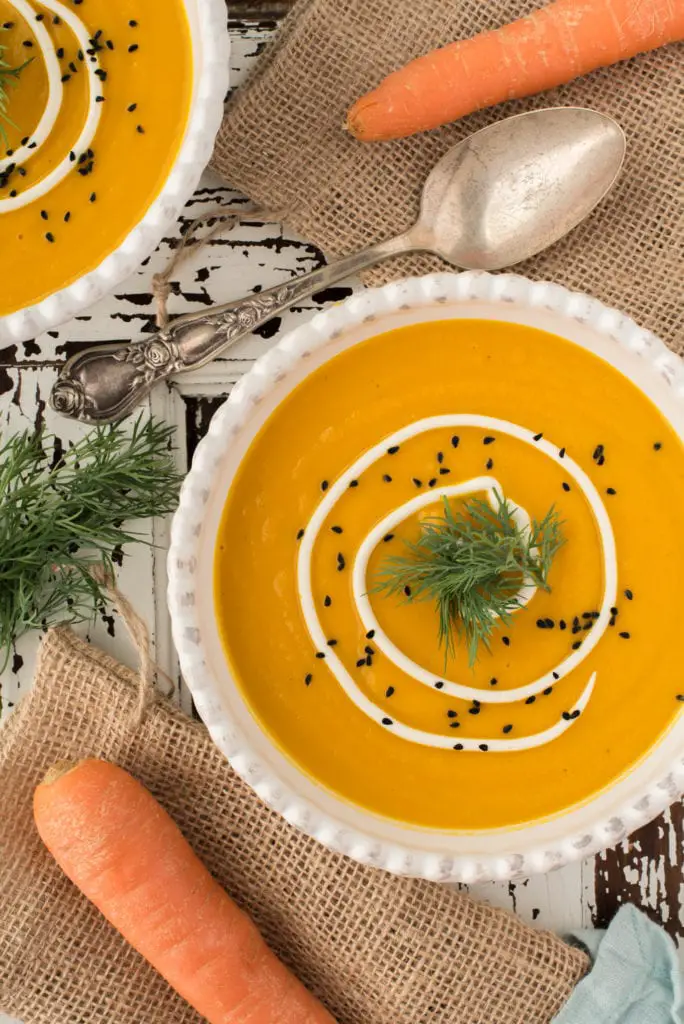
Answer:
(336, 529)
(300, 534)
(537, 437)
(387, 478)
(561, 453)
(454, 725)
(353, 483)
(308, 678)
(109, 44)
(13, 193)
(416, 481)
(50, 237)
(474, 710)
(547, 691)
(566, 716)
(340, 561)
(587, 615)
(598, 452)
(93, 197)
(629, 595)
(488, 440)
(27, 43)
(506, 641)
(600, 461)
(562, 624)
(439, 685)
(432, 481)
(389, 691)
(455, 441)
(369, 650)
(369, 660)
(65, 78)
(72, 156)
(624, 635)
(610, 490)
(490, 464)
(387, 721)
(72, 67)
(575, 713)
(133, 23)
(132, 107)
(657, 446)
(493, 681)
(388, 537)
(452, 714)
(370, 634)
(507, 728)
(407, 591)
(458, 746)
(44, 214)
(476, 703)
(530, 700)
(360, 662)
(139, 129)
(393, 450)
(612, 621)
(577, 644)
(444, 471)
(332, 643)
(613, 611)
(555, 675)
(324, 485)
(587, 625)
(541, 623)
(566, 486)
(320, 655)
(483, 746)
(440, 457)
(327, 600)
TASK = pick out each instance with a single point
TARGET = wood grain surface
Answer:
(645, 869)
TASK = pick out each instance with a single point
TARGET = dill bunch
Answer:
(472, 564)
(62, 516)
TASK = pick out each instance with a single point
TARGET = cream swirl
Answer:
(55, 100)
(383, 642)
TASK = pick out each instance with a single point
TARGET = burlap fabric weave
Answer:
(376, 949)
(282, 144)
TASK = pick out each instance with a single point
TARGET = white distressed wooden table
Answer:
(647, 869)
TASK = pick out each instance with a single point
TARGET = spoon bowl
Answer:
(513, 189)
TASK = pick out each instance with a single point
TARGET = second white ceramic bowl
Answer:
(597, 824)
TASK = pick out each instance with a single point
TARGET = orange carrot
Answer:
(553, 45)
(115, 842)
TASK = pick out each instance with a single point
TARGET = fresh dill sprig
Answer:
(472, 564)
(8, 77)
(62, 515)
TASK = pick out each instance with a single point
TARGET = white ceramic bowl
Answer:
(211, 52)
(601, 822)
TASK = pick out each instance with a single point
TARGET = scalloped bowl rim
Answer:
(211, 53)
(630, 802)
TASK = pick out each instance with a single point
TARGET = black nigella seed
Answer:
(555, 675)
(72, 67)
(393, 450)
(353, 483)
(27, 43)
(336, 529)
(440, 457)
(483, 746)
(370, 634)
(547, 691)
(109, 44)
(530, 700)
(507, 728)
(452, 714)
(369, 650)
(561, 453)
(340, 561)
(320, 655)
(407, 591)
(566, 486)
(657, 446)
(444, 471)
(60, 52)
(439, 685)
(132, 107)
(389, 691)
(65, 78)
(562, 624)
(537, 437)
(332, 643)
(300, 534)
(324, 485)
(387, 721)
(67, 217)
(493, 681)
(360, 662)
(454, 725)
(490, 464)
(458, 746)
(308, 678)
(432, 481)
(44, 214)
(629, 595)
(506, 641)
(489, 439)
(50, 237)
(474, 710)
(133, 47)
(455, 441)
(610, 490)
(577, 644)
(625, 636)
(387, 478)
(327, 601)
(133, 23)
(417, 482)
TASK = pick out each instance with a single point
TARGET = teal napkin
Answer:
(635, 978)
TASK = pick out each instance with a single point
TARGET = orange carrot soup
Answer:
(95, 119)
(476, 443)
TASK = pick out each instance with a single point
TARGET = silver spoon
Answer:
(500, 196)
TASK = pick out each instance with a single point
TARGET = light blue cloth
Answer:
(635, 978)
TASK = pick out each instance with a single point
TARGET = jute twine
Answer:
(375, 948)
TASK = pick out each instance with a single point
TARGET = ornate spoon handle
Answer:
(104, 383)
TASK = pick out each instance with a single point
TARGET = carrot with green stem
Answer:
(554, 45)
(118, 845)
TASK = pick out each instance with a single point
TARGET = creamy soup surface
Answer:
(561, 428)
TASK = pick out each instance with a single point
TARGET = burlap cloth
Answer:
(376, 949)
(282, 144)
